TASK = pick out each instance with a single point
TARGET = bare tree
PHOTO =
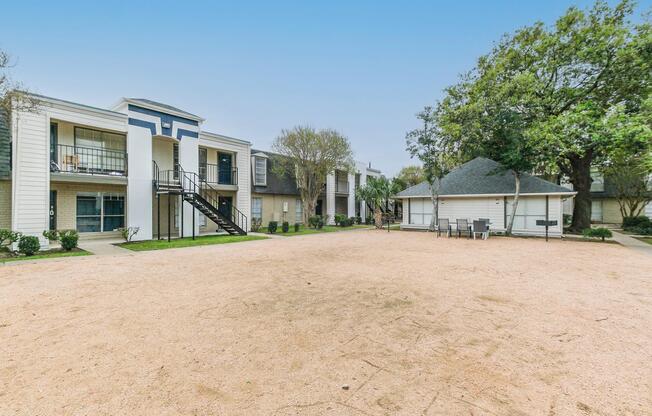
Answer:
(13, 96)
(310, 156)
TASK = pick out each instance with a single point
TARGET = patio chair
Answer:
(445, 226)
(480, 227)
(487, 223)
(463, 227)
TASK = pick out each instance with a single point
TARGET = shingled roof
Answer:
(482, 176)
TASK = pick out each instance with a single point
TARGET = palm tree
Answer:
(377, 192)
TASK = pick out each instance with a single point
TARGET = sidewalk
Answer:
(632, 243)
(104, 247)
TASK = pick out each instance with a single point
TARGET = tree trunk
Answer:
(517, 194)
(581, 180)
(378, 217)
(434, 197)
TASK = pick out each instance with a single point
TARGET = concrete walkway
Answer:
(631, 242)
(104, 247)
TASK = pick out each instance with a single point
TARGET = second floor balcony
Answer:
(216, 174)
(88, 160)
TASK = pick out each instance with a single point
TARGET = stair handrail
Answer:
(199, 186)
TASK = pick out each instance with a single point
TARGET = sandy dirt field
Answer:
(350, 323)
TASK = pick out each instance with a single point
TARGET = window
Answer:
(203, 158)
(529, 210)
(97, 151)
(260, 171)
(598, 181)
(257, 208)
(298, 210)
(97, 212)
(99, 139)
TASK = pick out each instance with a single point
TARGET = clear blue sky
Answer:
(253, 68)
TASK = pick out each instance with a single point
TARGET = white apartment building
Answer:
(139, 164)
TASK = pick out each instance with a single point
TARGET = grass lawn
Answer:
(51, 254)
(307, 230)
(188, 242)
(645, 239)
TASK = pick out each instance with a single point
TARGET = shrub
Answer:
(256, 223)
(272, 226)
(339, 218)
(314, 221)
(51, 235)
(285, 227)
(297, 225)
(633, 222)
(640, 230)
(351, 221)
(358, 220)
(128, 232)
(69, 239)
(597, 233)
(8, 237)
(28, 245)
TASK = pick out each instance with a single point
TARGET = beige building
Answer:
(276, 197)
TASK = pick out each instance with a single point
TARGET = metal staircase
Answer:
(202, 196)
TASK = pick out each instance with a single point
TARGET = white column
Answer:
(351, 199)
(330, 198)
(363, 205)
(189, 160)
(139, 182)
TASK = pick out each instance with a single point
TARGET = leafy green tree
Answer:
(409, 176)
(550, 89)
(629, 165)
(310, 155)
(428, 146)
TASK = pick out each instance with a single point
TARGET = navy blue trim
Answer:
(144, 124)
(188, 133)
(164, 116)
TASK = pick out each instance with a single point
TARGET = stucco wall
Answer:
(67, 200)
(273, 208)
(5, 204)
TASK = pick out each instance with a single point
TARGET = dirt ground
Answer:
(349, 323)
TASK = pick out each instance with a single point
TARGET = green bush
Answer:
(28, 245)
(339, 218)
(315, 220)
(358, 220)
(128, 232)
(640, 230)
(632, 222)
(597, 233)
(285, 227)
(69, 239)
(51, 235)
(297, 226)
(272, 226)
(8, 237)
(256, 223)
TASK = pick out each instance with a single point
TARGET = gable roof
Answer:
(482, 176)
(147, 102)
(276, 184)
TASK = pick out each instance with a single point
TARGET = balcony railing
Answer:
(88, 160)
(216, 175)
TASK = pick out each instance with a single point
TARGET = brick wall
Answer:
(5, 204)
(67, 200)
